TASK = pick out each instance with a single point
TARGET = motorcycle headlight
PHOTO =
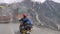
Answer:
(28, 32)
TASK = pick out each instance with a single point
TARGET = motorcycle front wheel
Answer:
(27, 32)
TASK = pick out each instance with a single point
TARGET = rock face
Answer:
(49, 14)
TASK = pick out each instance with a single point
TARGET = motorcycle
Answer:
(25, 30)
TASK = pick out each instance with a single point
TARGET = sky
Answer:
(58, 1)
(11, 1)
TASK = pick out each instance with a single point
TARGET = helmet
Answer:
(25, 15)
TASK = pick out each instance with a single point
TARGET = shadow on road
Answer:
(17, 32)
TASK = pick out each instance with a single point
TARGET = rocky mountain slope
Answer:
(48, 12)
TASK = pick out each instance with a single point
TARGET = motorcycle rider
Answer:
(25, 21)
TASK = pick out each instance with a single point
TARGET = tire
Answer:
(28, 32)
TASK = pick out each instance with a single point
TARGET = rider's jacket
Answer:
(26, 20)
